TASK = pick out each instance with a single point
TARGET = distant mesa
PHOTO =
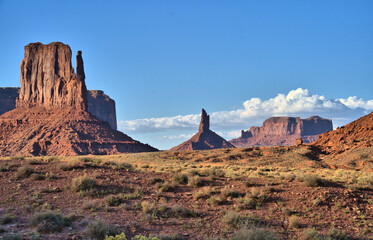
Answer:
(284, 131)
(204, 139)
(99, 104)
(51, 116)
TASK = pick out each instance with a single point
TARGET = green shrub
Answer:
(182, 212)
(228, 192)
(121, 236)
(24, 172)
(11, 236)
(311, 234)
(114, 200)
(337, 234)
(233, 219)
(254, 233)
(294, 222)
(156, 180)
(48, 222)
(195, 181)
(216, 172)
(215, 200)
(83, 183)
(286, 211)
(141, 237)
(147, 207)
(36, 176)
(8, 218)
(312, 180)
(125, 166)
(181, 178)
(167, 187)
(99, 230)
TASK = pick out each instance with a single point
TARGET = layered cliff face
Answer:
(103, 107)
(204, 139)
(8, 98)
(99, 104)
(48, 79)
(282, 131)
(51, 116)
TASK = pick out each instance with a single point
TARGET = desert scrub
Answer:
(24, 172)
(311, 180)
(254, 233)
(11, 236)
(295, 222)
(311, 234)
(48, 222)
(203, 193)
(92, 205)
(181, 178)
(147, 207)
(8, 218)
(142, 237)
(167, 187)
(37, 176)
(228, 192)
(114, 200)
(182, 212)
(83, 183)
(215, 200)
(233, 219)
(215, 172)
(121, 236)
(99, 230)
(70, 165)
(195, 181)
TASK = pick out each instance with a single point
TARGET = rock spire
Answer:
(204, 125)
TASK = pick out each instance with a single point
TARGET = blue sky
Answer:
(162, 61)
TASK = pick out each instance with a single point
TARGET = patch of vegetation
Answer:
(114, 200)
(295, 222)
(48, 222)
(181, 178)
(83, 183)
(11, 236)
(215, 172)
(37, 176)
(71, 165)
(24, 172)
(228, 192)
(99, 230)
(216, 200)
(233, 219)
(167, 187)
(311, 180)
(195, 181)
(254, 233)
(8, 218)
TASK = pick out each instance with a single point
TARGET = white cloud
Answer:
(177, 137)
(299, 102)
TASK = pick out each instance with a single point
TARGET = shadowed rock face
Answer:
(99, 104)
(205, 138)
(282, 131)
(51, 116)
(48, 79)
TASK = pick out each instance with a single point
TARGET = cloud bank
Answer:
(299, 102)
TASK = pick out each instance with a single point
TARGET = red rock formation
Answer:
(51, 117)
(99, 104)
(283, 131)
(204, 139)
(103, 107)
(357, 134)
(8, 99)
(48, 79)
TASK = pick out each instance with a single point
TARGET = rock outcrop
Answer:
(283, 131)
(8, 98)
(355, 135)
(99, 104)
(48, 79)
(51, 116)
(103, 107)
(204, 139)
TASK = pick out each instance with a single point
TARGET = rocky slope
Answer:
(355, 135)
(283, 131)
(205, 138)
(99, 104)
(51, 116)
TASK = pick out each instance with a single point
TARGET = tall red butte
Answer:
(51, 115)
